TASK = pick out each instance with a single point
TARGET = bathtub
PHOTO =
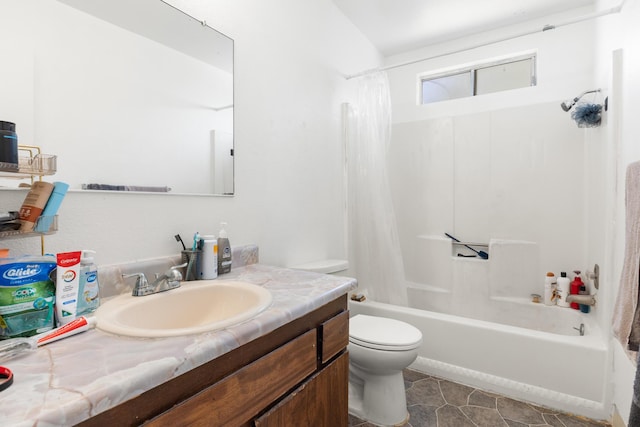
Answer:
(547, 363)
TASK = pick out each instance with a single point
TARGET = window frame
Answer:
(471, 70)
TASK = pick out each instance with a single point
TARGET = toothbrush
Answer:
(196, 237)
(179, 239)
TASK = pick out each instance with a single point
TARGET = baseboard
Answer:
(616, 420)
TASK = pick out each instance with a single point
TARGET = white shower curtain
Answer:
(375, 246)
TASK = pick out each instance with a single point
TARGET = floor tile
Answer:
(484, 417)
(436, 402)
(480, 398)
(454, 393)
(425, 392)
(519, 411)
(452, 416)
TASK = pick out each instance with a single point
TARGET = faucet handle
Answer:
(141, 287)
(173, 276)
(174, 272)
(595, 276)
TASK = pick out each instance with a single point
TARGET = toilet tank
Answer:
(326, 266)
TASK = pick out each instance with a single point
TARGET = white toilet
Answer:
(379, 349)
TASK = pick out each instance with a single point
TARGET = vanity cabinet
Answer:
(296, 375)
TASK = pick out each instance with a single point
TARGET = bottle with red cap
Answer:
(574, 288)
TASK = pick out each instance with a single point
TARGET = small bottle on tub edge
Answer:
(563, 289)
(550, 285)
(574, 288)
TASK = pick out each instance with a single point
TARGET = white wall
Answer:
(290, 58)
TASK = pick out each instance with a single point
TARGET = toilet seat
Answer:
(381, 333)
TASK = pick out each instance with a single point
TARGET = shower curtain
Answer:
(375, 246)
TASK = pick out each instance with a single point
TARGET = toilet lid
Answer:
(383, 333)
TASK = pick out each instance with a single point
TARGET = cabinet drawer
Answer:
(241, 396)
(334, 334)
(322, 401)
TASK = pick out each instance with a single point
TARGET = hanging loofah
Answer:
(587, 115)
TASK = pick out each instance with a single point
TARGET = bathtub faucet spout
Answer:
(582, 299)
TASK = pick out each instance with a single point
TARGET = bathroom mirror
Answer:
(130, 95)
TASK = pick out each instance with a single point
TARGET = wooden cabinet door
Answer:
(238, 398)
(319, 402)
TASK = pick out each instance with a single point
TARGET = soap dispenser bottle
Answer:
(224, 250)
(88, 288)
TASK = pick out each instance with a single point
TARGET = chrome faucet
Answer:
(582, 299)
(169, 280)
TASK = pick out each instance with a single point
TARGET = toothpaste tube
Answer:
(16, 346)
(76, 326)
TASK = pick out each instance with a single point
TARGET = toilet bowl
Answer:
(379, 349)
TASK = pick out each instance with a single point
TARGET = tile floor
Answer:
(434, 402)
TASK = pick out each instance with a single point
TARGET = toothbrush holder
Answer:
(192, 259)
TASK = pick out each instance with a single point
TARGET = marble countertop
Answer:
(68, 381)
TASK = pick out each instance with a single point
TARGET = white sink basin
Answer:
(198, 306)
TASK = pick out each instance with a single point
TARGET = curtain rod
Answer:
(583, 18)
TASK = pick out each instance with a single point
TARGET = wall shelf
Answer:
(31, 164)
(48, 225)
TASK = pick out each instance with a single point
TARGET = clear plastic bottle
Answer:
(549, 289)
(89, 288)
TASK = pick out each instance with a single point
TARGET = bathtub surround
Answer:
(626, 318)
(512, 175)
(438, 280)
